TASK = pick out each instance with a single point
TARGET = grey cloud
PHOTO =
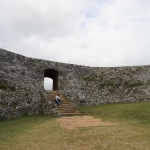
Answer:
(117, 34)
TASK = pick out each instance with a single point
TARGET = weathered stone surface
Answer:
(22, 90)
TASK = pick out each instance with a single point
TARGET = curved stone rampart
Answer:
(22, 84)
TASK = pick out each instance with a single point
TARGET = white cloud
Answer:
(85, 32)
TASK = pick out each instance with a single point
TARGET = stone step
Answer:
(71, 109)
(71, 114)
(67, 106)
(68, 111)
(58, 110)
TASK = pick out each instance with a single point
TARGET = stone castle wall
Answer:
(22, 84)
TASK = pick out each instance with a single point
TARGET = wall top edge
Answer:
(68, 64)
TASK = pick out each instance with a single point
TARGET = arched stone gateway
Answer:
(22, 89)
(53, 74)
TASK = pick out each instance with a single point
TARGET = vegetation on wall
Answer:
(4, 86)
(89, 78)
(137, 83)
(108, 83)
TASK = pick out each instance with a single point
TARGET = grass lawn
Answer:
(40, 132)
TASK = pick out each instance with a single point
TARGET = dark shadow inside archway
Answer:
(53, 74)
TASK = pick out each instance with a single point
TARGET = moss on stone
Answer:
(137, 83)
(91, 77)
(3, 86)
(107, 83)
(12, 88)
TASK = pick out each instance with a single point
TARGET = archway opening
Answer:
(53, 74)
(48, 83)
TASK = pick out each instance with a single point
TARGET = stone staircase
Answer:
(67, 108)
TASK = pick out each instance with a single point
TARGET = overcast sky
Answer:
(86, 32)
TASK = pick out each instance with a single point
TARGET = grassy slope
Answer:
(43, 132)
(136, 112)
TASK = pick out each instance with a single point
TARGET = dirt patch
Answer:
(73, 122)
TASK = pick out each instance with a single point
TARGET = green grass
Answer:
(135, 112)
(41, 132)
